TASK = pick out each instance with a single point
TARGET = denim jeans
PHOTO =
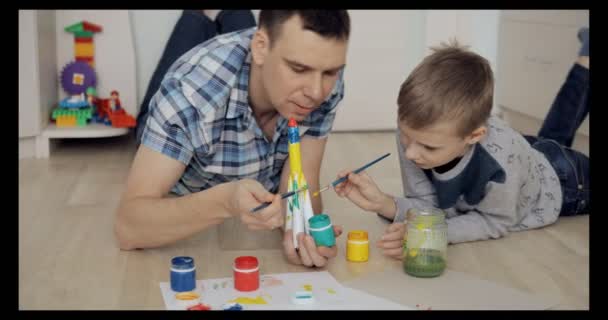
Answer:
(572, 168)
(191, 29)
(569, 109)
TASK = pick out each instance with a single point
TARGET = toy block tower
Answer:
(83, 41)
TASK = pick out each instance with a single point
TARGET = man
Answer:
(216, 135)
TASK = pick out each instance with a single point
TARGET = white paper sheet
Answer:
(275, 291)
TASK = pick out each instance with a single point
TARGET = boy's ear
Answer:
(476, 135)
(260, 46)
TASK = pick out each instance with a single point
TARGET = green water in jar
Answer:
(424, 263)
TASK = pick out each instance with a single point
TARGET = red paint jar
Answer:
(246, 273)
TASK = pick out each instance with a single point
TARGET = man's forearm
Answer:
(147, 222)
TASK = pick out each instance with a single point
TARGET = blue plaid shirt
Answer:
(201, 117)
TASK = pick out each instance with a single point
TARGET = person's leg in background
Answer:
(233, 20)
(571, 105)
(572, 168)
(192, 28)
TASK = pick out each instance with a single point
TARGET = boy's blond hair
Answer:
(451, 83)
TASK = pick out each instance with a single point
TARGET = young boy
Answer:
(489, 179)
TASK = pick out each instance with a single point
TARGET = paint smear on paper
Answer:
(247, 300)
(271, 281)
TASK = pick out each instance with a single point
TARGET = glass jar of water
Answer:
(426, 241)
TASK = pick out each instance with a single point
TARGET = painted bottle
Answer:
(357, 246)
(322, 230)
(183, 274)
(425, 251)
(246, 273)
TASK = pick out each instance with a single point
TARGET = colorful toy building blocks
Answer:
(83, 40)
(71, 117)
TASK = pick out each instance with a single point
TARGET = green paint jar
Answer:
(322, 231)
(425, 248)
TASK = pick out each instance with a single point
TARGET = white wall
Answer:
(537, 48)
(47, 57)
(151, 31)
(475, 28)
(385, 46)
(29, 97)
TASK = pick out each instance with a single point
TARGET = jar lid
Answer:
(182, 262)
(319, 221)
(357, 235)
(426, 217)
(246, 262)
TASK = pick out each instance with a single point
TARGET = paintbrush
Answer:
(337, 182)
(283, 196)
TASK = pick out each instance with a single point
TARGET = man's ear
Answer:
(476, 135)
(260, 46)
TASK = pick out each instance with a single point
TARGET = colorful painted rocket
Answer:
(299, 206)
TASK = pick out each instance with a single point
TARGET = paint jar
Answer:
(183, 274)
(357, 246)
(322, 230)
(425, 252)
(246, 273)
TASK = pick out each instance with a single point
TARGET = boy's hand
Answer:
(392, 240)
(362, 191)
(308, 253)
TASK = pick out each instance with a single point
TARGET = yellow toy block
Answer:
(84, 50)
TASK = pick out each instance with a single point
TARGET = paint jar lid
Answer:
(319, 221)
(246, 262)
(360, 235)
(182, 262)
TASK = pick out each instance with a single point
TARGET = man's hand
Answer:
(308, 253)
(247, 195)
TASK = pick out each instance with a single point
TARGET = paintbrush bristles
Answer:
(319, 192)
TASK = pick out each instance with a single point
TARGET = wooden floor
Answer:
(68, 258)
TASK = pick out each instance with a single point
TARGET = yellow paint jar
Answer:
(357, 246)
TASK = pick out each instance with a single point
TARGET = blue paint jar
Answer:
(183, 274)
(322, 231)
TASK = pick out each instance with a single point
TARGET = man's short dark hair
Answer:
(327, 23)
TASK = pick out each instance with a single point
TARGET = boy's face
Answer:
(300, 70)
(436, 144)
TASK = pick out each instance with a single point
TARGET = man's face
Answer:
(300, 70)
(436, 144)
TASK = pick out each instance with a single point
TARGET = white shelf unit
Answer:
(92, 130)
